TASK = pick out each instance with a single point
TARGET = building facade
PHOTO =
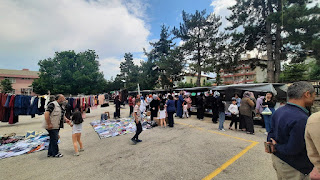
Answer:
(243, 74)
(21, 80)
(192, 79)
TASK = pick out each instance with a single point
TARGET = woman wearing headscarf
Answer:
(170, 110)
(154, 106)
(200, 107)
(246, 106)
(179, 105)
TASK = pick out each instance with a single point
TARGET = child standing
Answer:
(137, 118)
(233, 108)
(185, 109)
(76, 131)
(162, 115)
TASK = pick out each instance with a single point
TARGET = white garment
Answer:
(47, 101)
(149, 100)
(77, 128)
(32, 99)
(143, 106)
(233, 108)
(162, 114)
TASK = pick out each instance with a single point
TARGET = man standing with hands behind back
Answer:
(286, 137)
(54, 118)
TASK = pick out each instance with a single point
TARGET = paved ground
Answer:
(193, 149)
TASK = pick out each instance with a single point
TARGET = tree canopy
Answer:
(6, 86)
(69, 72)
(200, 35)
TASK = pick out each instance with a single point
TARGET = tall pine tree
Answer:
(278, 27)
(199, 32)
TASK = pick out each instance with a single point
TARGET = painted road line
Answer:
(214, 132)
(230, 161)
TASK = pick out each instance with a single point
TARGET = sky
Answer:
(32, 30)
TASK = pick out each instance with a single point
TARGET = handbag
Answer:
(266, 111)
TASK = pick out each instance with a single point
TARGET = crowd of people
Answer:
(241, 110)
(293, 137)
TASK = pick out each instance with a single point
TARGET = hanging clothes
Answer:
(7, 109)
(13, 119)
(3, 99)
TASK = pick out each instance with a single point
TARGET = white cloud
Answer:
(110, 66)
(34, 29)
(220, 7)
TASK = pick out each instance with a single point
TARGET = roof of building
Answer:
(196, 75)
(19, 73)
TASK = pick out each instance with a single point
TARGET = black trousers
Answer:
(118, 111)
(249, 123)
(131, 111)
(170, 119)
(154, 113)
(215, 116)
(234, 119)
(53, 143)
(138, 131)
(200, 112)
(242, 121)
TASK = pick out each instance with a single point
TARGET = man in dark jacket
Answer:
(286, 137)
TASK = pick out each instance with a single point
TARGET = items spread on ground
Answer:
(112, 127)
(12, 145)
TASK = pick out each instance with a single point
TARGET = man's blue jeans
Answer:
(53, 143)
(222, 117)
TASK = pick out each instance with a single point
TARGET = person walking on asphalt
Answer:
(54, 118)
(286, 137)
(137, 119)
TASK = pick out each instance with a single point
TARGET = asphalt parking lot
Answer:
(193, 149)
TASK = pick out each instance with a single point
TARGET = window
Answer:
(26, 91)
(12, 80)
(26, 78)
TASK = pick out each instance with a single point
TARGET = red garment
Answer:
(130, 101)
(83, 104)
(11, 106)
(1, 107)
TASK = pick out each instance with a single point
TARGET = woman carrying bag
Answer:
(268, 105)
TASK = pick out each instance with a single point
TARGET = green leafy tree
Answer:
(149, 76)
(200, 34)
(294, 72)
(168, 58)
(280, 28)
(70, 73)
(129, 72)
(185, 85)
(6, 86)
